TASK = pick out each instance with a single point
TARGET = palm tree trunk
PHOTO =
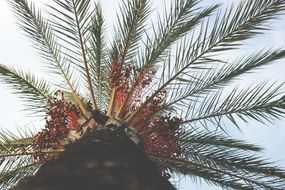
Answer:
(103, 160)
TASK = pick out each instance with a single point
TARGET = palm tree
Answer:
(160, 87)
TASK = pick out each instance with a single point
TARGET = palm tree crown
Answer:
(163, 81)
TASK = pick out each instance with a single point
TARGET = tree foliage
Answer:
(162, 79)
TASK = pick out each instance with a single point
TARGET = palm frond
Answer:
(16, 156)
(15, 169)
(212, 79)
(183, 17)
(244, 22)
(220, 160)
(98, 55)
(18, 146)
(272, 177)
(260, 102)
(131, 25)
(191, 138)
(72, 20)
(12, 143)
(35, 93)
(39, 31)
(15, 163)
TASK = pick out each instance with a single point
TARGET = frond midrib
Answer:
(192, 62)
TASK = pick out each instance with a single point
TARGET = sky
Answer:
(16, 50)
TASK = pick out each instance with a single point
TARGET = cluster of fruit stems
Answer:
(143, 79)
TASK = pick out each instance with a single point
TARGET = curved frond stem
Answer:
(111, 102)
(84, 56)
(77, 98)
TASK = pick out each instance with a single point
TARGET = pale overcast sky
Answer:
(15, 50)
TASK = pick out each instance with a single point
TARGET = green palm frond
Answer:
(72, 20)
(131, 25)
(246, 21)
(16, 156)
(182, 18)
(260, 102)
(193, 138)
(242, 23)
(226, 178)
(98, 58)
(15, 169)
(35, 93)
(15, 162)
(222, 161)
(15, 144)
(202, 82)
(217, 78)
(39, 31)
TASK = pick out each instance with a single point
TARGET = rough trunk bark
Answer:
(101, 160)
